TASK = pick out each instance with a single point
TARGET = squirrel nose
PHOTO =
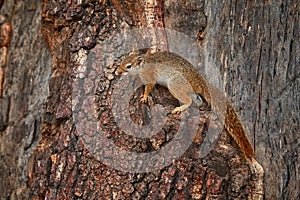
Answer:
(120, 71)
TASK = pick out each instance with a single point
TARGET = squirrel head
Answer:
(131, 64)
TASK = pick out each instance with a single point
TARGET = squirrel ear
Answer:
(134, 51)
(139, 60)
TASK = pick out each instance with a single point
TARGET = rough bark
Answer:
(255, 46)
(26, 79)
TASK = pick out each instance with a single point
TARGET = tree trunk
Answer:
(256, 45)
(50, 147)
(26, 73)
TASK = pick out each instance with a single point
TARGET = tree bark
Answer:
(256, 46)
(26, 71)
(44, 154)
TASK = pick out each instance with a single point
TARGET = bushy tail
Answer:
(232, 123)
(236, 129)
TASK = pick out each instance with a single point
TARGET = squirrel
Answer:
(187, 85)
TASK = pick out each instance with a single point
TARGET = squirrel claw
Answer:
(147, 100)
(176, 110)
(144, 99)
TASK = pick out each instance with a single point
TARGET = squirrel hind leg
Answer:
(184, 98)
(180, 88)
(179, 109)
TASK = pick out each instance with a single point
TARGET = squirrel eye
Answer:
(128, 66)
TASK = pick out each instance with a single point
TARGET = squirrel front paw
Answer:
(144, 99)
(147, 99)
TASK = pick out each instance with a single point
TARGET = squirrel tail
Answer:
(236, 129)
(232, 123)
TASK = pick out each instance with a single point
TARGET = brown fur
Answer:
(185, 80)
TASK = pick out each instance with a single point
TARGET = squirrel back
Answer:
(189, 72)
